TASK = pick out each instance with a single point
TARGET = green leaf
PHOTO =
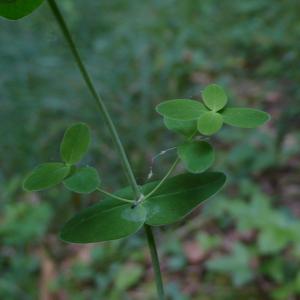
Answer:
(75, 143)
(105, 221)
(209, 123)
(197, 156)
(244, 117)
(45, 176)
(180, 195)
(84, 180)
(16, 9)
(181, 109)
(214, 97)
(187, 128)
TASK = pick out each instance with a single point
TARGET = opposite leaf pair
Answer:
(73, 147)
(189, 116)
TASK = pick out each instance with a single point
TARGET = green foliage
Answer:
(186, 128)
(16, 9)
(209, 123)
(214, 97)
(75, 143)
(83, 180)
(197, 156)
(45, 176)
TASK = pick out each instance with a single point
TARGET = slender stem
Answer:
(114, 196)
(163, 179)
(155, 262)
(102, 107)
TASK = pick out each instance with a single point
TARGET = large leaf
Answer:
(197, 156)
(187, 128)
(244, 117)
(109, 220)
(214, 97)
(75, 143)
(180, 195)
(210, 123)
(16, 9)
(181, 109)
(83, 180)
(45, 176)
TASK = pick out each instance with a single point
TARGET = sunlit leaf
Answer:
(244, 117)
(180, 195)
(197, 156)
(45, 176)
(75, 143)
(83, 180)
(104, 222)
(187, 128)
(16, 9)
(181, 109)
(214, 97)
(209, 123)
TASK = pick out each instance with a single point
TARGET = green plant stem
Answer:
(114, 196)
(155, 262)
(102, 107)
(126, 165)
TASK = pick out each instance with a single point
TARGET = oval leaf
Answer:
(75, 143)
(45, 176)
(180, 195)
(16, 9)
(186, 128)
(214, 97)
(209, 123)
(104, 222)
(245, 117)
(84, 180)
(196, 156)
(181, 109)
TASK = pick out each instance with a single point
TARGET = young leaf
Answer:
(186, 128)
(104, 222)
(210, 123)
(214, 97)
(181, 109)
(197, 156)
(84, 180)
(45, 176)
(244, 117)
(16, 9)
(180, 195)
(75, 143)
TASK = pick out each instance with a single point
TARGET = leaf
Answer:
(84, 180)
(181, 109)
(187, 128)
(214, 97)
(105, 221)
(16, 9)
(180, 195)
(75, 143)
(45, 176)
(244, 117)
(197, 156)
(209, 123)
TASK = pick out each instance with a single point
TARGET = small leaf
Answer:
(214, 97)
(180, 195)
(75, 143)
(16, 9)
(181, 109)
(45, 176)
(84, 180)
(105, 221)
(197, 156)
(209, 123)
(244, 117)
(187, 128)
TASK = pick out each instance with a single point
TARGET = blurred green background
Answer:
(242, 244)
